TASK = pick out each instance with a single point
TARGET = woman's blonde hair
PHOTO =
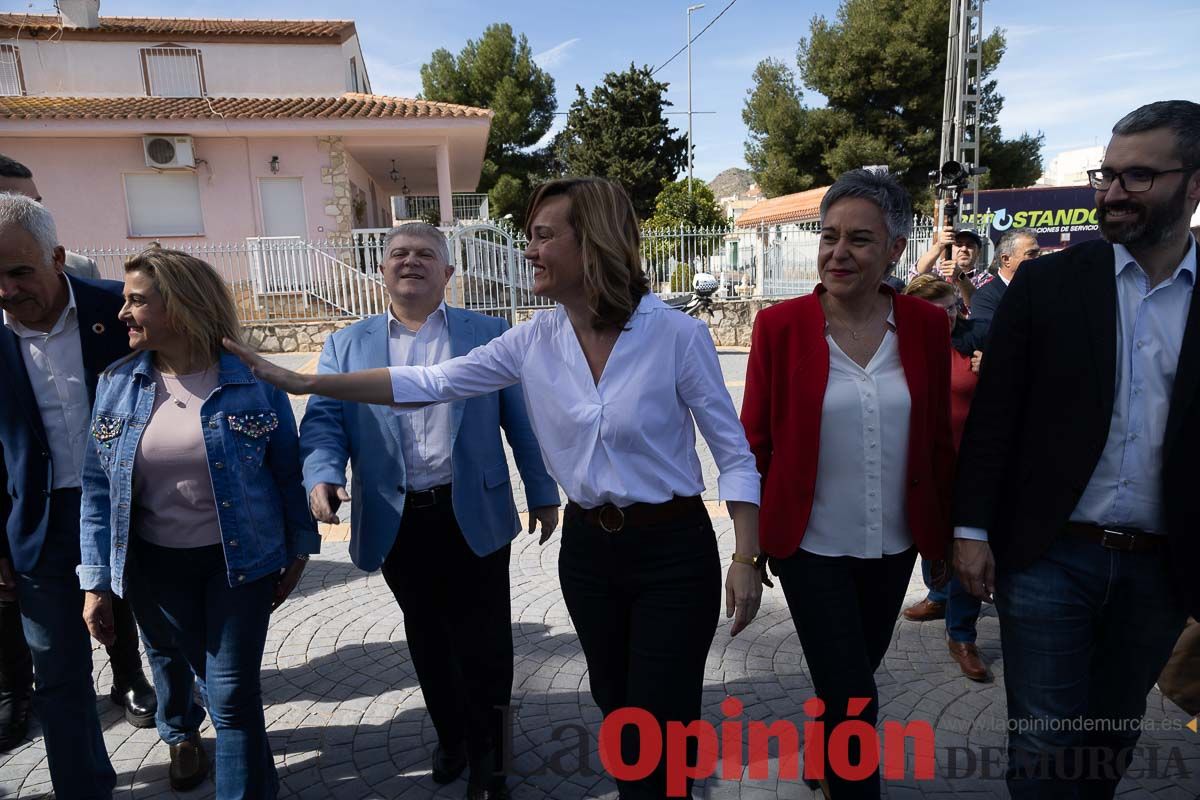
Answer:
(607, 229)
(930, 287)
(198, 301)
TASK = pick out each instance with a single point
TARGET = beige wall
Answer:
(114, 69)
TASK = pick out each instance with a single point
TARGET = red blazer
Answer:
(781, 412)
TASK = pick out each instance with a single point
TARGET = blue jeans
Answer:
(222, 632)
(962, 607)
(64, 698)
(1085, 632)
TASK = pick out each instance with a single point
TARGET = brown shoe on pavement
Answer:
(925, 611)
(189, 764)
(967, 656)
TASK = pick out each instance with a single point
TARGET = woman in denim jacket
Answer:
(193, 504)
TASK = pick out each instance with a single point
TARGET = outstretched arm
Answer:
(363, 386)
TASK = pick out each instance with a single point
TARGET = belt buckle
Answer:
(415, 498)
(1117, 540)
(620, 523)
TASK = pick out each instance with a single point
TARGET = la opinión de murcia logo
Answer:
(728, 745)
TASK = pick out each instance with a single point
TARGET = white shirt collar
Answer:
(439, 313)
(69, 311)
(1123, 258)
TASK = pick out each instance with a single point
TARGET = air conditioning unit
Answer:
(168, 152)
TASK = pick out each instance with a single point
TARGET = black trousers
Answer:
(458, 623)
(645, 603)
(16, 664)
(845, 612)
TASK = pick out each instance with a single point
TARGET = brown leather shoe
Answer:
(967, 656)
(925, 611)
(189, 764)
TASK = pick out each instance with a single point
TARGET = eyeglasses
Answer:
(1137, 179)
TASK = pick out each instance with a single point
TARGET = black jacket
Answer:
(984, 303)
(1042, 410)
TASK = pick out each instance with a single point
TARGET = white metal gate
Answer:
(491, 274)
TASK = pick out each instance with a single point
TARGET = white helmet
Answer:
(704, 283)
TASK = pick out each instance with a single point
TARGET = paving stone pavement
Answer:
(346, 718)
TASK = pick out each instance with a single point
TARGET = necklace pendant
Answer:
(854, 335)
(180, 403)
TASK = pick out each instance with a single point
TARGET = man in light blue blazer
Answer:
(433, 502)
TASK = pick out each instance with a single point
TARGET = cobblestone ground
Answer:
(347, 720)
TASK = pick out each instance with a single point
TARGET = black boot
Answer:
(134, 693)
(131, 691)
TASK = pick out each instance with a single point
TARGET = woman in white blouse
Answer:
(613, 379)
(847, 413)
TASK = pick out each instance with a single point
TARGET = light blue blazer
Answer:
(368, 436)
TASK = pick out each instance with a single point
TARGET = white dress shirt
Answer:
(859, 498)
(54, 362)
(630, 438)
(425, 433)
(1125, 488)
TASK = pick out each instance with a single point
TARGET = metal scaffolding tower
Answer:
(964, 80)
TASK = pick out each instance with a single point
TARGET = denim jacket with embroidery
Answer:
(253, 461)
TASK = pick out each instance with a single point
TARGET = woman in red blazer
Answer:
(847, 413)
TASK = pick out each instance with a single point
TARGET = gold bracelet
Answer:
(751, 561)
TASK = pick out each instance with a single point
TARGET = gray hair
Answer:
(882, 190)
(423, 230)
(1181, 117)
(1008, 242)
(33, 217)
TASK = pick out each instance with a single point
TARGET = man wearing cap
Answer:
(965, 245)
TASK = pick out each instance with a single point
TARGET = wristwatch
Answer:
(302, 556)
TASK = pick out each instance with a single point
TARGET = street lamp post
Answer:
(690, 9)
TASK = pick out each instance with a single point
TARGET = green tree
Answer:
(881, 66)
(674, 207)
(620, 132)
(497, 71)
(668, 249)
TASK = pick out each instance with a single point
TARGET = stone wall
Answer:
(339, 204)
(291, 337)
(729, 322)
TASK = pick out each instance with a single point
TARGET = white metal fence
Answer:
(280, 279)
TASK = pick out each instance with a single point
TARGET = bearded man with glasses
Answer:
(1077, 467)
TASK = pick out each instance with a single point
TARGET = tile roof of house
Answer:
(167, 26)
(348, 106)
(798, 207)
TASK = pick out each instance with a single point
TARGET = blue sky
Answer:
(1072, 67)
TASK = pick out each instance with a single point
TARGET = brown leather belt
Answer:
(1129, 540)
(613, 519)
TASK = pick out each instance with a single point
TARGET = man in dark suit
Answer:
(58, 334)
(1016, 247)
(1078, 464)
(130, 688)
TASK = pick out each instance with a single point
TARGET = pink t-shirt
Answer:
(173, 503)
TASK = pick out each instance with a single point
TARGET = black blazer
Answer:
(984, 303)
(1042, 410)
(24, 449)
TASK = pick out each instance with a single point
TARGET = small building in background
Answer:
(199, 131)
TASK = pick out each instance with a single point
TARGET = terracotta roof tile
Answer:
(347, 106)
(798, 207)
(306, 29)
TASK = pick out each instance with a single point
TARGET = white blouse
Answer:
(859, 501)
(630, 438)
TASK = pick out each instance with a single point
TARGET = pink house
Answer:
(194, 131)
